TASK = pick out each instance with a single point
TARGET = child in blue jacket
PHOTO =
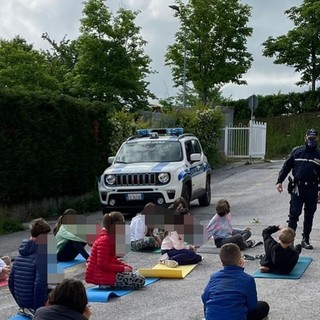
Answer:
(28, 280)
(231, 293)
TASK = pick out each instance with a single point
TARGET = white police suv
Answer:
(155, 165)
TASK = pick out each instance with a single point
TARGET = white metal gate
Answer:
(246, 142)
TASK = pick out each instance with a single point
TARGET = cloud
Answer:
(262, 84)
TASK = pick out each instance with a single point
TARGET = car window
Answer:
(153, 151)
(188, 146)
(196, 146)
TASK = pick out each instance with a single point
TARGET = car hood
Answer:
(142, 167)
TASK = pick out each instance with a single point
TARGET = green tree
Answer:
(61, 59)
(300, 47)
(23, 67)
(214, 34)
(111, 64)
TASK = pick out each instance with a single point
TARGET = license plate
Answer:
(134, 196)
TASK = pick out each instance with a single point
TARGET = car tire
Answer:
(186, 193)
(205, 200)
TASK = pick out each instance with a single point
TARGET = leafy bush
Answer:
(10, 225)
(123, 127)
(206, 124)
(89, 203)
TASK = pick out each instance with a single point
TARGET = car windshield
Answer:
(150, 151)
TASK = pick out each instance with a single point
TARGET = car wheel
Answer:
(205, 200)
(186, 193)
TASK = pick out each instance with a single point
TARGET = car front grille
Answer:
(138, 179)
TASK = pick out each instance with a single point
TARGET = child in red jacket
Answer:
(104, 268)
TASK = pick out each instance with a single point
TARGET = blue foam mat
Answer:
(67, 264)
(19, 317)
(95, 294)
(296, 273)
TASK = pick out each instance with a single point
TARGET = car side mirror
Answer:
(194, 157)
(110, 159)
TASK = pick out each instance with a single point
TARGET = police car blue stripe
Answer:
(193, 171)
(159, 166)
(183, 174)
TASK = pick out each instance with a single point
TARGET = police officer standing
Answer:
(304, 161)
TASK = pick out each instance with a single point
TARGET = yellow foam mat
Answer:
(162, 271)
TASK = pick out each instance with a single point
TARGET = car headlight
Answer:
(110, 179)
(164, 177)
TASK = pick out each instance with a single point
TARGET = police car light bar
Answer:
(175, 131)
(160, 131)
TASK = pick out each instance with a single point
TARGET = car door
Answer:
(193, 146)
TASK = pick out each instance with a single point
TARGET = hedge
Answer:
(51, 145)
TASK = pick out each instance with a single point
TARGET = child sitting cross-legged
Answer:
(28, 280)
(281, 257)
(143, 238)
(231, 293)
(70, 241)
(104, 268)
(220, 228)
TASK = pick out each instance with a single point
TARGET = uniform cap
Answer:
(312, 133)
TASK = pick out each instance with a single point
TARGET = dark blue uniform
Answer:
(305, 165)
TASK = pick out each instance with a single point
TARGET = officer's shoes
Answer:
(305, 243)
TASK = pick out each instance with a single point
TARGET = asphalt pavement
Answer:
(254, 202)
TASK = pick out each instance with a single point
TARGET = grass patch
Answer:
(286, 132)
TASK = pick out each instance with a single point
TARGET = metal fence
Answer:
(245, 141)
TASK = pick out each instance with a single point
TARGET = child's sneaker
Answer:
(171, 263)
(248, 257)
(264, 269)
(250, 243)
(104, 287)
(163, 258)
(27, 312)
(257, 244)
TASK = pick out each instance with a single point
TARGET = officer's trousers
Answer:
(307, 196)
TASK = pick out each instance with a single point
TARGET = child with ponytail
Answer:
(104, 268)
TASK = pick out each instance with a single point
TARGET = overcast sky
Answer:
(31, 18)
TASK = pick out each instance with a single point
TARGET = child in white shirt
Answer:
(143, 238)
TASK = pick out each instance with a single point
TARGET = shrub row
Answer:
(279, 104)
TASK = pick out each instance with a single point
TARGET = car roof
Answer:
(150, 139)
(159, 134)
